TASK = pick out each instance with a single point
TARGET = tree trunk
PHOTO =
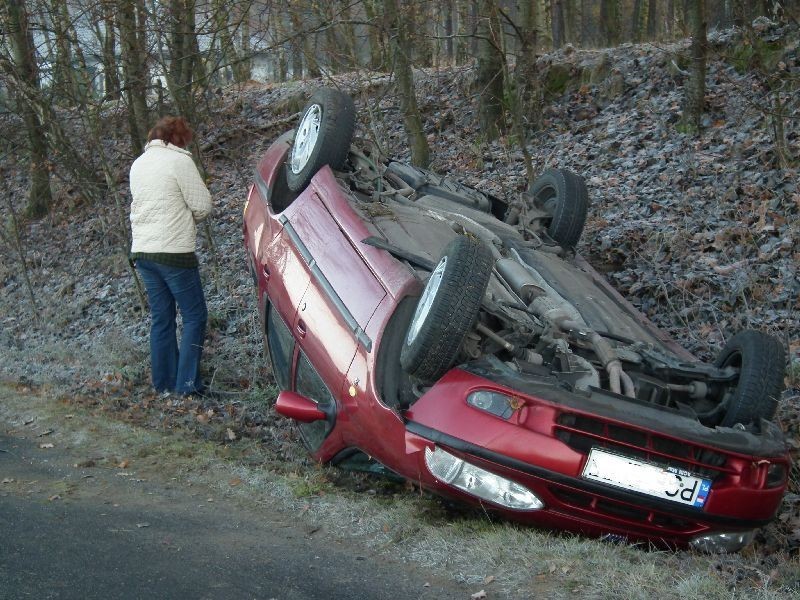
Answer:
(374, 30)
(134, 72)
(310, 52)
(243, 69)
(696, 86)
(295, 46)
(224, 31)
(669, 18)
(419, 32)
(473, 22)
(400, 46)
(543, 24)
(571, 21)
(609, 22)
(109, 45)
(489, 77)
(587, 23)
(637, 21)
(183, 52)
(652, 20)
(299, 45)
(24, 73)
(63, 72)
(557, 22)
(526, 76)
(448, 32)
(684, 20)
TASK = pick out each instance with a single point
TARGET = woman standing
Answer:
(169, 198)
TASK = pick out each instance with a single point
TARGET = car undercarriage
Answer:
(545, 314)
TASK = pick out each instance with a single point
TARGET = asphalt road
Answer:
(71, 532)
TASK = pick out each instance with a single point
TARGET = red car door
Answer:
(343, 293)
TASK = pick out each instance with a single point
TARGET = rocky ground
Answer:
(701, 233)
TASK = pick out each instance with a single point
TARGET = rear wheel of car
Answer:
(562, 195)
(447, 309)
(322, 138)
(761, 361)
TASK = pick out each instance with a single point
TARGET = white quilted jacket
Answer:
(169, 197)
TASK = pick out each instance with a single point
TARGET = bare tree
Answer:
(183, 54)
(696, 86)
(132, 19)
(401, 51)
(21, 68)
(103, 14)
(557, 23)
(639, 20)
(587, 22)
(652, 19)
(609, 22)
(489, 79)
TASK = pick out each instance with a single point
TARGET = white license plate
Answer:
(631, 474)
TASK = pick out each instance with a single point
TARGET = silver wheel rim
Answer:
(306, 138)
(426, 301)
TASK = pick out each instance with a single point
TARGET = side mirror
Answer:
(299, 408)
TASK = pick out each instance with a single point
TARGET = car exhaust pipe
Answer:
(519, 279)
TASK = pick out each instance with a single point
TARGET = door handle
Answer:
(301, 328)
(265, 270)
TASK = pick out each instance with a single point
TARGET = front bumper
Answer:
(544, 446)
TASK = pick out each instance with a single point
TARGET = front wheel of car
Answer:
(447, 309)
(761, 360)
(562, 195)
(322, 138)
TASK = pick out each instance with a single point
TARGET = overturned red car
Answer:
(457, 340)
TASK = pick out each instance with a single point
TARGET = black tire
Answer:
(334, 113)
(760, 359)
(447, 309)
(562, 195)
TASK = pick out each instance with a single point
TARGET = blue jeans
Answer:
(175, 369)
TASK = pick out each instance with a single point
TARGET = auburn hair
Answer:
(171, 130)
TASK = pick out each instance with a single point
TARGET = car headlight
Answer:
(479, 482)
(717, 543)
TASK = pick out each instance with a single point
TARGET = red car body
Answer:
(336, 296)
